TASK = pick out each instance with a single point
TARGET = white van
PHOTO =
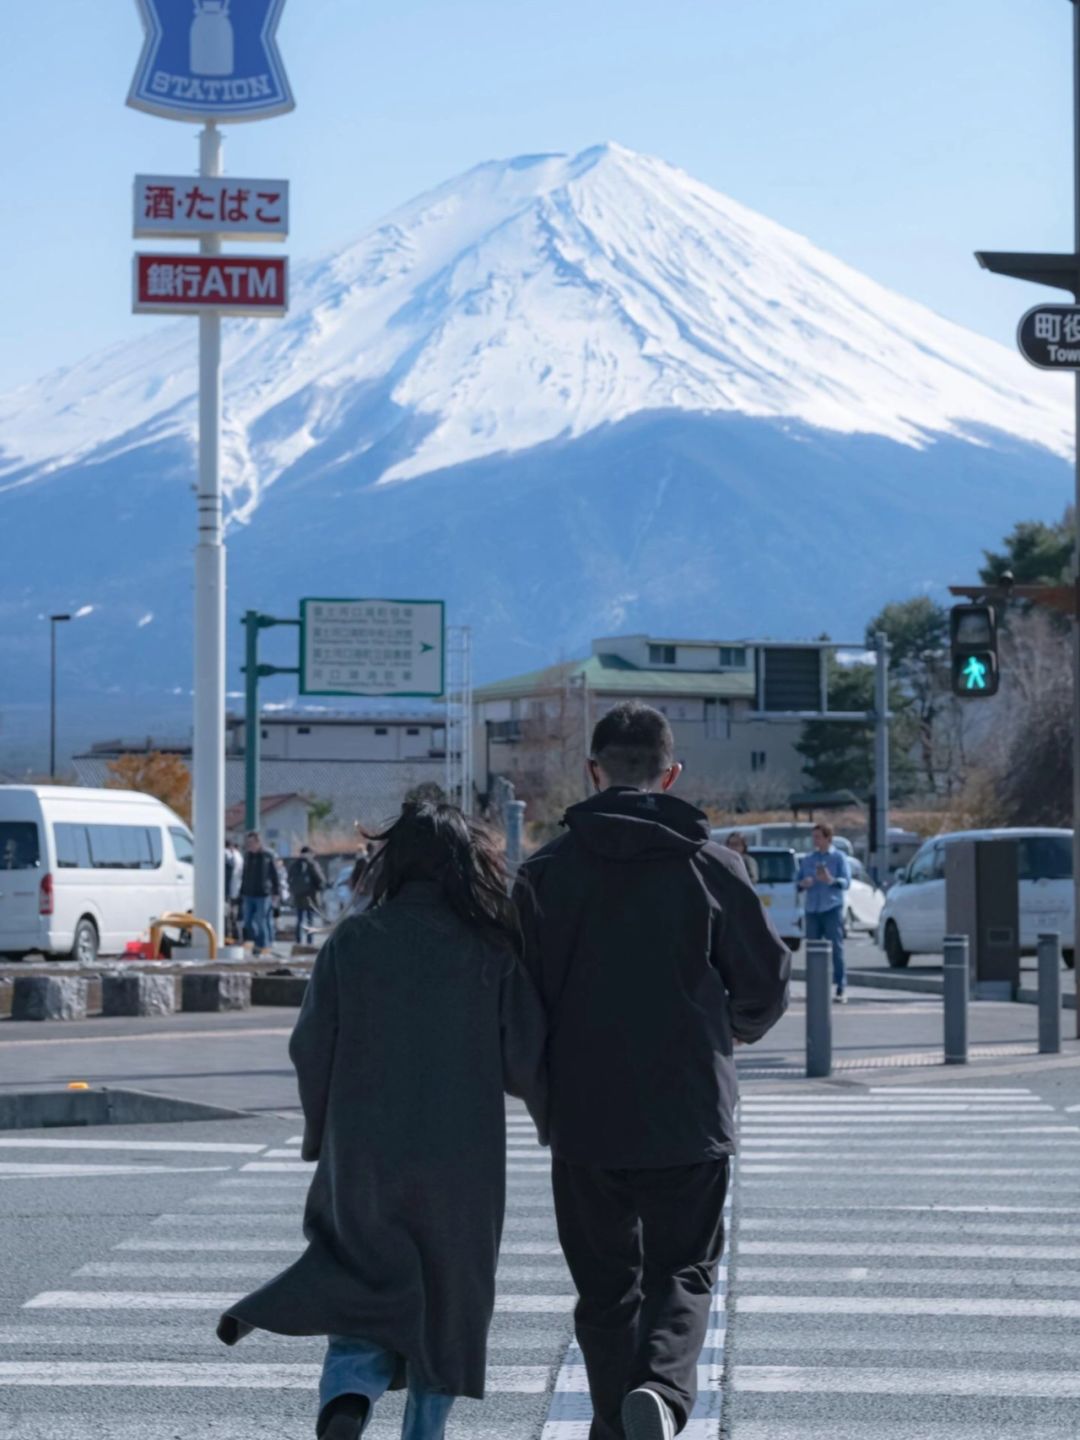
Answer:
(82, 872)
(777, 870)
(913, 918)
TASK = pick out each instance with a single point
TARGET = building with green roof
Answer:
(730, 705)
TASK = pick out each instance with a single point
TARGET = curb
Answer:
(926, 985)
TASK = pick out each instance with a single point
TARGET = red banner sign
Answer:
(228, 284)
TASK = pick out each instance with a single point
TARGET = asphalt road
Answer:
(846, 1313)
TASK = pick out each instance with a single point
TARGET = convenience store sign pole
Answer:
(213, 62)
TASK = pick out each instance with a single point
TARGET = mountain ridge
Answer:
(567, 394)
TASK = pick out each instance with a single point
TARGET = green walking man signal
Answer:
(973, 632)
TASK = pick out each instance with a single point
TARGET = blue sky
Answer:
(899, 137)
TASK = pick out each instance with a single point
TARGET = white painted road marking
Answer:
(859, 1380)
(239, 1375)
(1007, 1307)
(182, 1147)
(855, 1250)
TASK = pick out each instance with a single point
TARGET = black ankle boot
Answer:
(344, 1418)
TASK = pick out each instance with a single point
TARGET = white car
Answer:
(864, 900)
(913, 917)
(777, 867)
(82, 872)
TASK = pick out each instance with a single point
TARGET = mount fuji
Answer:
(570, 395)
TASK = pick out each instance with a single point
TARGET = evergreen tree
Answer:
(839, 754)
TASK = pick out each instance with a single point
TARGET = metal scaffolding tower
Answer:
(459, 717)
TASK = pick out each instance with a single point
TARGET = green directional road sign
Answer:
(372, 647)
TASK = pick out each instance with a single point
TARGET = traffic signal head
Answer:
(973, 631)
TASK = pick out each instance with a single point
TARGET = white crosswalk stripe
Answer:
(571, 1411)
(902, 1246)
(141, 1316)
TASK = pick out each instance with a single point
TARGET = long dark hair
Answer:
(436, 842)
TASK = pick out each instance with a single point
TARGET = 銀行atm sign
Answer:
(228, 284)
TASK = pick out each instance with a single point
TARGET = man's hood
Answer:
(622, 824)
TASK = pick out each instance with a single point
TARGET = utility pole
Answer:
(880, 839)
(208, 748)
(54, 620)
(1062, 272)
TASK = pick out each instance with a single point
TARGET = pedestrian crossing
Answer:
(125, 1345)
(907, 1265)
(571, 1412)
(903, 1263)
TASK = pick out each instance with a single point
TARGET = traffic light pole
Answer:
(1062, 272)
(880, 838)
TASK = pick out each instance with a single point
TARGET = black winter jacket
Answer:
(652, 953)
(260, 877)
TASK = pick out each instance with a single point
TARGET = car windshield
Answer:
(20, 848)
(1045, 857)
(775, 867)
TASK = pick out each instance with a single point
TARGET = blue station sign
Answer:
(211, 60)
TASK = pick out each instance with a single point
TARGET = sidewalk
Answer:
(897, 1030)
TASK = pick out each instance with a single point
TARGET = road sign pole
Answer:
(209, 739)
(881, 758)
(252, 721)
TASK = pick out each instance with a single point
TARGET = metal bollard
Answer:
(957, 989)
(515, 833)
(818, 1009)
(1049, 994)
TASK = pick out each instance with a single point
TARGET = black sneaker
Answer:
(645, 1416)
(345, 1418)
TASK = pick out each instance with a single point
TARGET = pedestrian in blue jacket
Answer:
(824, 878)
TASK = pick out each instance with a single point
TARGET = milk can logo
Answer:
(211, 59)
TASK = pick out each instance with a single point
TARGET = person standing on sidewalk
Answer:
(259, 886)
(737, 841)
(306, 884)
(824, 878)
(653, 957)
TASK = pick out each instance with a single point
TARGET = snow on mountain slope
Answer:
(537, 299)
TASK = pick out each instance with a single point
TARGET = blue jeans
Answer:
(829, 925)
(257, 921)
(305, 920)
(357, 1367)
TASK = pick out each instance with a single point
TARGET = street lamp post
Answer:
(54, 620)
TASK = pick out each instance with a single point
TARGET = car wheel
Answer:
(84, 946)
(895, 953)
(1069, 956)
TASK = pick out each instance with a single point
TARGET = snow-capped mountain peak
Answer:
(536, 299)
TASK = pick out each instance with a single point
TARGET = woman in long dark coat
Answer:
(417, 1018)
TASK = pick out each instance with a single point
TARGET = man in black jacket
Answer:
(306, 884)
(259, 886)
(654, 957)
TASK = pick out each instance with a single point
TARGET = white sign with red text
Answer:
(181, 208)
(227, 284)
